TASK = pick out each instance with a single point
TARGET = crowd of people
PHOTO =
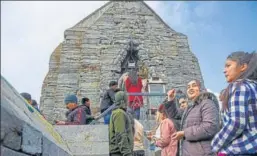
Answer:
(191, 124)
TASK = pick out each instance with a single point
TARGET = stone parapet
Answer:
(24, 131)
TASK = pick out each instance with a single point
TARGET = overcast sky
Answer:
(30, 31)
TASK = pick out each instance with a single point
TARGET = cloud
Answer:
(31, 30)
(190, 18)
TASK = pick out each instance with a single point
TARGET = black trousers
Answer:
(139, 153)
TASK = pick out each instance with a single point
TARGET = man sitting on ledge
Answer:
(76, 115)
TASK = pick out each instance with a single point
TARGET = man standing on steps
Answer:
(121, 140)
(76, 115)
(108, 100)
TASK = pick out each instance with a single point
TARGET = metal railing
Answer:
(151, 102)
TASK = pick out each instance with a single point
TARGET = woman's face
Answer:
(232, 70)
(193, 90)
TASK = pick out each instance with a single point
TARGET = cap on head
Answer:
(71, 99)
(113, 83)
(26, 96)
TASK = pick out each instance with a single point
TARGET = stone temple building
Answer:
(103, 45)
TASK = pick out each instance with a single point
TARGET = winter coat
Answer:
(76, 117)
(108, 99)
(200, 123)
(168, 145)
(89, 117)
(121, 140)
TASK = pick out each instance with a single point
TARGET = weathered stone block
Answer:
(12, 139)
(8, 152)
(52, 149)
(31, 140)
(81, 133)
(85, 140)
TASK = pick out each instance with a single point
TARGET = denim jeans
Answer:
(107, 117)
(135, 113)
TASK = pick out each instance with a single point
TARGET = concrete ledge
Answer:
(86, 140)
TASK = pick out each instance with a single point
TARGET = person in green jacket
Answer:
(120, 128)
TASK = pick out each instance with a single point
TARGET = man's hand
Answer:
(178, 135)
(171, 94)
(60, 122)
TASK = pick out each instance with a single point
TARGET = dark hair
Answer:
(180, 94)
(26, 96)
(245, 58)
(133, 76)
(113, 83)
(197, 82)
(34, 103)
(84, 100)
(251, 72)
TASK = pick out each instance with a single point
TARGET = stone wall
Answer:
(83, 63)
(24, 132)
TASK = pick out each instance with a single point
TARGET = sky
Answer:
(30, 31)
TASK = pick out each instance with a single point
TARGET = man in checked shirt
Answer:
(238, 135)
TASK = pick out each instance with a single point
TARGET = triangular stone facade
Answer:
(95, 47)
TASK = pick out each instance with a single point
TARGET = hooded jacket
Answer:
(120, 128)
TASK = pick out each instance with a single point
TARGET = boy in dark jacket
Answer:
(76, 115)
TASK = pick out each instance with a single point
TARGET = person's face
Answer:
(183, 103)
(30, 101)
(114, 87)
(163, 116)
(193, 89)
(88, 103)
(232, 70)
(71, 106)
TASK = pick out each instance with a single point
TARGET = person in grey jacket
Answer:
(199, 121)
(108, 100)
(76, 115)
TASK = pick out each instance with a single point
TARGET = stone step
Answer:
(86, 140)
